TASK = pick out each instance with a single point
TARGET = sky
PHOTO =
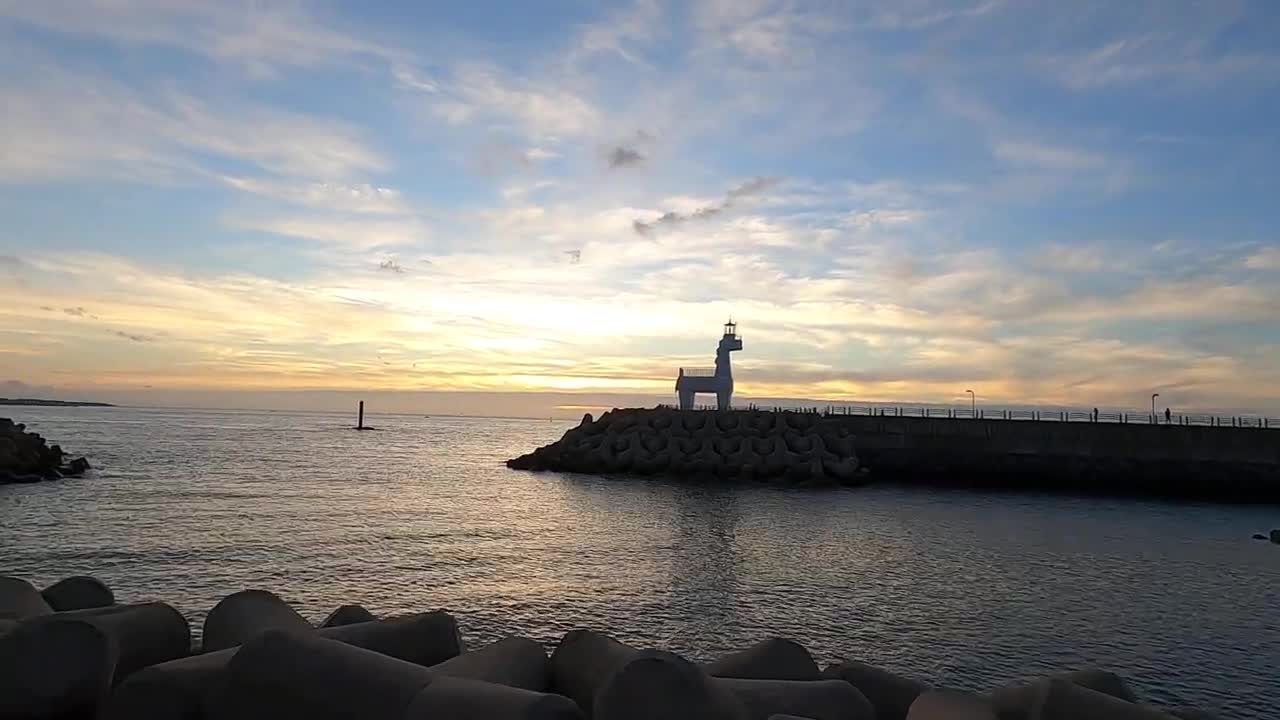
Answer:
(251, 203)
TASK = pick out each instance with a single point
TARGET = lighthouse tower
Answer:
(718, 380)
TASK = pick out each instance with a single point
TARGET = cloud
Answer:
(75, 311)
(1160, 61)
(410, 80)
(338, 230)
(672, 218)
(134, 337)
(505, 158)
(391, 266)
(923, 15)
(357, 198)
(631, 25)
(482, 93)
(260, 37)
(1046, 155)
(497, 321)
(621, 156)
(1073, 258)
(882, 218)
(1265, 259)
(62, 124)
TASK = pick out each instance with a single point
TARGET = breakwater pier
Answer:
(1189, 461)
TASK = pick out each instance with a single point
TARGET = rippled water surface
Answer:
(962, 589)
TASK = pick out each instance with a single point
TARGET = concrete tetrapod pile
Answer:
(71, 653)
(783, 447)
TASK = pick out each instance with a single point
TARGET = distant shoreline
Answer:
(35, 402)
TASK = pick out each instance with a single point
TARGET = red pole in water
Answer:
(360, 420)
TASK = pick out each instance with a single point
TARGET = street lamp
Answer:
(1153, 405)
(973, 404)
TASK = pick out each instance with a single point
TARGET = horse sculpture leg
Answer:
(686, 400)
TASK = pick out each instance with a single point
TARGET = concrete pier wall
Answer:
(1237, 464)
(1192, 462)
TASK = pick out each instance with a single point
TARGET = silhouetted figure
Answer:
(1168, 416)
(1095, 414)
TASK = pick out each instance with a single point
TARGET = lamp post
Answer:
(1153, 405)
(973, 404)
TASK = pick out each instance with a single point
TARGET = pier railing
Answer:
(1113, 417)
(698, 372)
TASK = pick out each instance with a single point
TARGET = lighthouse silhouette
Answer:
(717, 380)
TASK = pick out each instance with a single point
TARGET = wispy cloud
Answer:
(1264, 259)
(132, 337)
(920, 15)
(1161, 61)
(64, 124)
(1046, 155)
(620, 157)
(352, 198)
(337, 229)
(260, 37)
(672, 218)
(483, 93)
(615, 34)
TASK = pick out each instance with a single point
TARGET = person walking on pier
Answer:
(1168, 417)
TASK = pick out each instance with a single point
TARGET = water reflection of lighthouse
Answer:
(718, 380)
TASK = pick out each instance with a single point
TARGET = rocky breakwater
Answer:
(25, 457)
(70, 652)
(750, 446)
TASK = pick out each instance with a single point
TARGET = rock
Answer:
(583, 662)
(79, 466)
(174, 690)
(1059, 699)
(26, 457)
(890, 694)
(144, 634)
(286, 674)
(427, 638)
(19, 600)
(656, 685)
(953, 705)
(816, 699)
(177, 690)
(733, 445)
(58, 668)
(515, 662)
(1259, 536)
(244, 615)
(770, 659)
(78, 593)
(462, 699)
(1275, 536)
(1014, 702)
(348, 615)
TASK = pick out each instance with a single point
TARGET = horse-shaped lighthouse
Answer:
(692, 381)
